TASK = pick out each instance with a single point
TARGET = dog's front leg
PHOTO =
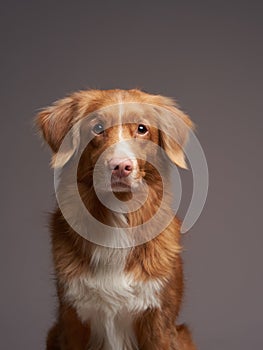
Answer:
(69, 333)
(155, 331)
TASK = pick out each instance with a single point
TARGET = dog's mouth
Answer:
(120, 186)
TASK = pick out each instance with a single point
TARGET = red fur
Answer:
(155, 328)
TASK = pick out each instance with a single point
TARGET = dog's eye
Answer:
(98, 129)
(142, 129)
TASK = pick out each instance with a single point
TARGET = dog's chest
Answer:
(108, 300)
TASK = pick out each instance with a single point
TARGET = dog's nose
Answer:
(120, 167)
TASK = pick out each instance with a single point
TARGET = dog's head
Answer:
(121, 128)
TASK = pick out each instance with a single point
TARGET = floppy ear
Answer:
(55, 122)
(174, 128)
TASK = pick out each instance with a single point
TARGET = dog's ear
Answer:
(174, 127)
(56, 122)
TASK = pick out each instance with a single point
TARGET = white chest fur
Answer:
(109, 299)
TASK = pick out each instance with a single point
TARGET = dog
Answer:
(122, 290)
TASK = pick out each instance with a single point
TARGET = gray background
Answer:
(208, 55)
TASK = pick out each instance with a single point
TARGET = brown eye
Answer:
(98, 129)
(142, 129)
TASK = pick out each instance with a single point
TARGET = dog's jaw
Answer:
(120, 186)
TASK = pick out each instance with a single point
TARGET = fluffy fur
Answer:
(117, 298)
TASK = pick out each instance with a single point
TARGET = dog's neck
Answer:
(131, 221)
(117, 218)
